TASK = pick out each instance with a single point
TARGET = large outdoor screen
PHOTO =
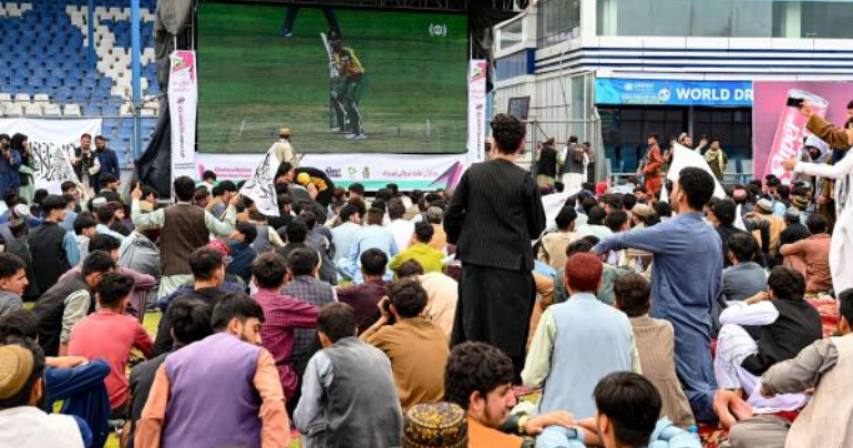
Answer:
(342, 80)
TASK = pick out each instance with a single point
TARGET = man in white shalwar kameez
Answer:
(841, 249)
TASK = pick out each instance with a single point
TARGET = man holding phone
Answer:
(838, 138)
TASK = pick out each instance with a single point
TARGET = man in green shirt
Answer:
(431, 259)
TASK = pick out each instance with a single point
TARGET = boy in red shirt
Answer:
(110, 335)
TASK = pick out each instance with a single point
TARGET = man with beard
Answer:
(221, 391)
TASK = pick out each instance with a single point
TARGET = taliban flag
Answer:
(683, 157)
(261, 186)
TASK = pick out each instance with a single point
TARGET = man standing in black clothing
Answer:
(546, 169)
(50, 244)
(494, 214)
(108, 160)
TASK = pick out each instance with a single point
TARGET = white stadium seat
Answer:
(52, 110)
(22, 97)
(147, 113)
(14, 110)
(12, 10)
(26, 7)
(119, 91)
(126, 110)
(72, 110)
(41, 98)
(5, 97)
(33, 110)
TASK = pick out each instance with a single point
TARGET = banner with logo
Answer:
(476, 111)
(665, 92)
(374, 171)
(52, 143)
(183, 104)
(778, 130)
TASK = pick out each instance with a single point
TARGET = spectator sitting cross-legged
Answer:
(365, 297)
(109, 334)
(418, 349)
(430, 259)
(284, 314)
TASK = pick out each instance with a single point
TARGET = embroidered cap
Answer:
(437, 425)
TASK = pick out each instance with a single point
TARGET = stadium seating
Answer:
(43, 49)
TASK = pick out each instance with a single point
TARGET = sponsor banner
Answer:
(374, 171)
(673, 93)
(778, 130)
(52, 143)
(476, 111)
(183, 104)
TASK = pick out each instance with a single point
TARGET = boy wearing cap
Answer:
(22, 423)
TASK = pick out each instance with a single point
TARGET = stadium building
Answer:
(611, 71)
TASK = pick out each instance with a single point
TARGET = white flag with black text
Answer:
(261, 186)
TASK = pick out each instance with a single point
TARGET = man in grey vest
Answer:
(185, 228)
(348, 394)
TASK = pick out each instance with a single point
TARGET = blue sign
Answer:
(673, 93)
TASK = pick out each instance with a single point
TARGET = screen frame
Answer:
(521, 101)
(196, 44)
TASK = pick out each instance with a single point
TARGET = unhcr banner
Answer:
(52, 143)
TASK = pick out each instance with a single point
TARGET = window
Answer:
(511, 34)
(625, 129)
(557, 21)
(726, 18)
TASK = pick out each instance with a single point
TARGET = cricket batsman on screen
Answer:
(347, 82)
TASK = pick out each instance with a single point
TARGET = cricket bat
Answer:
(333, 66)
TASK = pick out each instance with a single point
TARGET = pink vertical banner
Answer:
(778, 130)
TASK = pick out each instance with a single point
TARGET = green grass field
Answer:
(253, 81)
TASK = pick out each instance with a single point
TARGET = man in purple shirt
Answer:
(363, 298)
(284, 314)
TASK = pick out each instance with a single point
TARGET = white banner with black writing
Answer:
(261, 185)
(52, 143)
(183, 105)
